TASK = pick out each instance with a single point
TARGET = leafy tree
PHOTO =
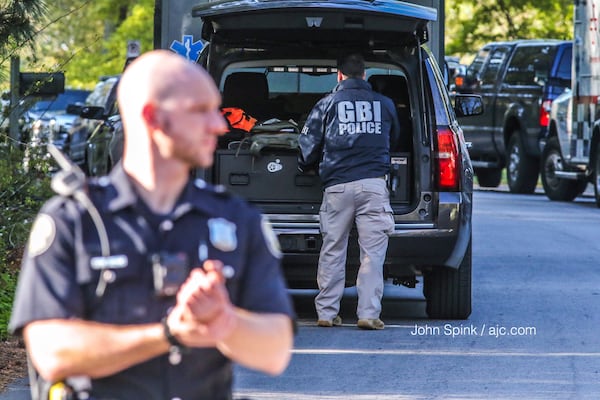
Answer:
(18, 27)
(17, 22)
(472, 23)
(89, 40)
(22, 192)
(21, 189)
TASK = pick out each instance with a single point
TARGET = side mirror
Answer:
(467, 105)
(92, 112)
(74, 109)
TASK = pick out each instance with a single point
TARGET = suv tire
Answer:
(557, 189)
(521, 170)
(489, 177)
(448, 291)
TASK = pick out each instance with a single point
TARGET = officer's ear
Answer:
(340, 76)
(152, 116)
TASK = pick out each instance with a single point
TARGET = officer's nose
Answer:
(218, 125)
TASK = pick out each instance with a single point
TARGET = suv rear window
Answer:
(288, 90)
(301, 79)
(291, 79)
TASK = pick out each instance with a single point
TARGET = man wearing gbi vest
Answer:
(348, 134)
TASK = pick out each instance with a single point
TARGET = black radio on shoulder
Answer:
(169, 271)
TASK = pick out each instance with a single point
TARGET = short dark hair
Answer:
(352, 65)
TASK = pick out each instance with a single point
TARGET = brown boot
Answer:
(337, 321)
(371, 324)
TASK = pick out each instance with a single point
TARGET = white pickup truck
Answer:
(571, 156)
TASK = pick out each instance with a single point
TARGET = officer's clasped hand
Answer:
(203, 314)
(204, 292)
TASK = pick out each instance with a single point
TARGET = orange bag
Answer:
(238, 119)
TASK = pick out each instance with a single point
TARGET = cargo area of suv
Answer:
(274, 61)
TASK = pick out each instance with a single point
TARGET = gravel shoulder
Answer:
(13, 362)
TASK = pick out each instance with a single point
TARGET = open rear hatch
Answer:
(322, 21)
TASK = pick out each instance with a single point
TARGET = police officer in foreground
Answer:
(153, 287)
(349, 133)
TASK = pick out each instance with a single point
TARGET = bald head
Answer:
(158, 76)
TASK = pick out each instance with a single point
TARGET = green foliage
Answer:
(23, 189)
(83, 38)
(8, 283)
(87, 38)
(17, 22)
(137, 26)
(18, 26)
(90, 39)
(472, 23)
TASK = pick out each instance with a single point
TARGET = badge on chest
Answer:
(222, 234)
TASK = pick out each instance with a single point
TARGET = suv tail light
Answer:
(545, 113)
(448, 160)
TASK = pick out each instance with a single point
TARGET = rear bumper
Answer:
(412, 246)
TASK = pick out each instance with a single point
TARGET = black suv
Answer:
(88, 136)
(275, 60)
(518, 81)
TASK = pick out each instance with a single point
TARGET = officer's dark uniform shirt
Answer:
(349, 133)
(61, 269)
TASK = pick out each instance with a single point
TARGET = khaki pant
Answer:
(365, 202)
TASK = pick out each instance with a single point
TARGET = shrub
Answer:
(8, 282)
(23, 189)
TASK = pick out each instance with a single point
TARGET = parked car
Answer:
(565, 173)
(51, 119)
(518, 80)
(99, 106)
(275, 60)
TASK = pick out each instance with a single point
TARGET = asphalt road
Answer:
(533, 333)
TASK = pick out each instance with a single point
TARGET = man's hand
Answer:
(204, 293)
(203, 314)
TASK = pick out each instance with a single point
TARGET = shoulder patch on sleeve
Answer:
(270, 238)
(42, 235)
